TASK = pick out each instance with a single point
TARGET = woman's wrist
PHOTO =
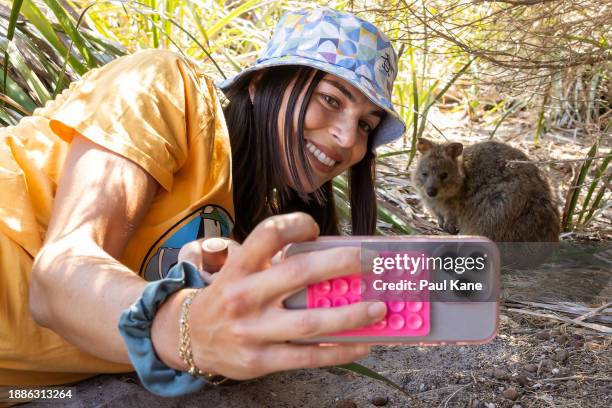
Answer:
(168, 340)
(160, 373)
(165, 330)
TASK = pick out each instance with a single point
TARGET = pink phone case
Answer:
(402, 319)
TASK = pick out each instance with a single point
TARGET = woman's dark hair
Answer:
(261, 186)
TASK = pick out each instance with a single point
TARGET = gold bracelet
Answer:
(184, 348)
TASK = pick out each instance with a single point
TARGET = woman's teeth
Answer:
(320, 155)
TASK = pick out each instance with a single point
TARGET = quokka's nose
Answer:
(432, 191)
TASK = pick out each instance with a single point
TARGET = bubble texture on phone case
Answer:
(402, 319)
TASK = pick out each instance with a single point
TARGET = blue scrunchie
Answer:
(135, 327)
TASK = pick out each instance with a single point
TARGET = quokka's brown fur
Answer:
(474, 191)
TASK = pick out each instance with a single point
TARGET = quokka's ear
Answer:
(423, 145)
(453, 149)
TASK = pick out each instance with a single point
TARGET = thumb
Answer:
(207, 254)
(215, 252)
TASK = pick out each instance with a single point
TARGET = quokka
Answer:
(475, 191)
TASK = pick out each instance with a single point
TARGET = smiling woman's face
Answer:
(337, 123)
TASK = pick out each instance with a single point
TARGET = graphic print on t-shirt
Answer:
(206, 222)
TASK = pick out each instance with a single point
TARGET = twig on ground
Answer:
(473, 378)
(593, 326)
(592, 313)
(583, 312)
(571, 377)
(453, 394)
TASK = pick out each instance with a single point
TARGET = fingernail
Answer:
(214, 244)
(377, 310)
(214, 254)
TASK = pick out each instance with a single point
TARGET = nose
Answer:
(345, 133)
(432, 191)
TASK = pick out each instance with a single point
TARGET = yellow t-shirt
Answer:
(154, 108)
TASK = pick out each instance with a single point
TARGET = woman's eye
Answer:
(443, 176)
(365, 126)
(331, 101)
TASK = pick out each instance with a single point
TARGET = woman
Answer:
(134, 161)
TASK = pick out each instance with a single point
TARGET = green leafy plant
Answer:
(587, 209)
(365, 371)
(42, 56)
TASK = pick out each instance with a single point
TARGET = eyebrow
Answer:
(350, 96)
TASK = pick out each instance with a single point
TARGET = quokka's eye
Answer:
(443, 176)
(424, 174)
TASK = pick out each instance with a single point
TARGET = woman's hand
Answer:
(239, 327)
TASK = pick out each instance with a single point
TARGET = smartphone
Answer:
(438, 290)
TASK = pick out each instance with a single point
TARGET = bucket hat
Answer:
(340, 44)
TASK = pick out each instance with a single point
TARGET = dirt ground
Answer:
(533, 362)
